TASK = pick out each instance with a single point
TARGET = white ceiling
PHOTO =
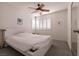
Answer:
(52, 6)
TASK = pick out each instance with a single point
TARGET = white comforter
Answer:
(26, 41)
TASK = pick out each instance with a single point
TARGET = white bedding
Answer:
(26, 41)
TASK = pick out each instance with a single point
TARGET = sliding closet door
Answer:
(74, 27)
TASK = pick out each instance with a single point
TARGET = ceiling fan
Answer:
(40, 7)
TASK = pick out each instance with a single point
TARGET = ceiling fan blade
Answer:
(31, 7)
(45, 10)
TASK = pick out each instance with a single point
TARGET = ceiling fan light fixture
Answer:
(40, 8)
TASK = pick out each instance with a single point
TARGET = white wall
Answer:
(9, 15)
(59, 25)
(1, 17)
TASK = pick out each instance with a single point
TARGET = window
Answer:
(39, 23)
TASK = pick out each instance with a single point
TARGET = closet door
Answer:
(74, 27)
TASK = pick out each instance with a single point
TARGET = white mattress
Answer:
(26, 41)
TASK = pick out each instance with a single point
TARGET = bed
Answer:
(29, 44)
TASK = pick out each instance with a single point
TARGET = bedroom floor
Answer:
(59, 48)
